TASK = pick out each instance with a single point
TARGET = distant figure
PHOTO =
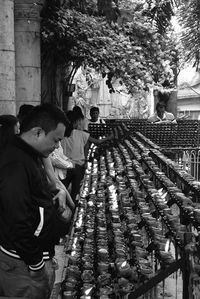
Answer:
(9, 127)
(84, 125)
(95, 119)
(161, 115)
(73, 145)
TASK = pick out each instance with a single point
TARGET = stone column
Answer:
(28, 58)
(7, 58)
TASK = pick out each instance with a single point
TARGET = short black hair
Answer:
(78, 110)
(73, 117)
(46, 116)
(93, 109)
(8, 120)
(24, 111)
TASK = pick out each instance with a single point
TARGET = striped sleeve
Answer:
(37, 267)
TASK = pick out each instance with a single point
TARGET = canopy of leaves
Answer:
(189, 19)
(134, 49)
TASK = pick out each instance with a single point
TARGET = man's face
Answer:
(161, 110)
(47, 143)
(80, 124)
(94, 115)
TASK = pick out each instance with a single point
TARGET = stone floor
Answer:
(172, 288)
(61, 258)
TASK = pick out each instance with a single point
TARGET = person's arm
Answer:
(86, 149)
(174, 121)
(63, 192)
(152, 119)
(100, 141)
(60, 161)
(63, 195)
(102, 121)
(50, 172)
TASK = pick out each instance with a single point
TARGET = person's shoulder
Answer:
(15, 159)
(78, 133)
(170, 115)
(101, 121)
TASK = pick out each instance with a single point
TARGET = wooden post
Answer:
(7, 58)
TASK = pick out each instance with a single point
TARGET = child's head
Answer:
(94, 113)
(76, 120)
(77, 110)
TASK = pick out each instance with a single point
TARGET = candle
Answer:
(103, 267)
(87, 289)
(69, 295)
(124, 269)
(69, 286)
(103, 254)
(87, 276)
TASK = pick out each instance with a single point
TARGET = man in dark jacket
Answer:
(28, 219)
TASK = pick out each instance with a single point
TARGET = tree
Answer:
(134, 48)
(189, 18)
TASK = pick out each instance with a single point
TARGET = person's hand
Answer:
(61, 198)
(41, 283)
(70, 201)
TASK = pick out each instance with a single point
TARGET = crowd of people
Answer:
(42, 162)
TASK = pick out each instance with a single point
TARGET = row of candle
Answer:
(153, 231)
(189, 209)
(108, 247)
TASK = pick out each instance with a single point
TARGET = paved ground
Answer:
(60, 256)
(172, 288)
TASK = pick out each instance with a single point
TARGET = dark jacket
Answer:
(28, 218)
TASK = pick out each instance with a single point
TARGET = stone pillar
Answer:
(7, 58)
(27, 46)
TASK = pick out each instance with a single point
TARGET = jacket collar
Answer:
(20, 143)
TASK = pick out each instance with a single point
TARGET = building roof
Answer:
(189, 83)
(189, 92)
(188, 76)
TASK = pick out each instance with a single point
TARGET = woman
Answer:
(74, 144)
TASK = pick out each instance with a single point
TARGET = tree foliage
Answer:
(189, 18)
(127, 39)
